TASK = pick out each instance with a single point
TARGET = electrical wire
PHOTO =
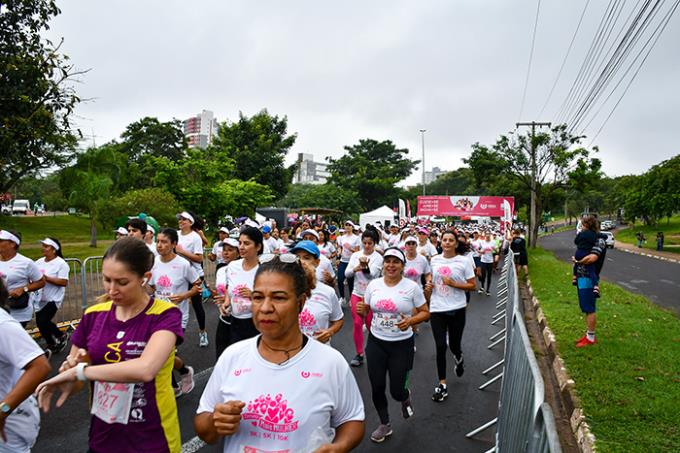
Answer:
(531, 56)
(564, 62)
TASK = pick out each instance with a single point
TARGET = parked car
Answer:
(21, 207)
(610, 239)
(6, 209)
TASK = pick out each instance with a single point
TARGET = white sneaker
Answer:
(203, 340)
(186, 383)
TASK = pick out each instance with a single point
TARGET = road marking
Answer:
(193, 445)
(627, 285)
(667, 281)
(637, 282)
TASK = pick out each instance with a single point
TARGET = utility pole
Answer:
(422, 140)
(533, 219)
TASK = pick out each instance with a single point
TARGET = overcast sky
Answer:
(342, 71)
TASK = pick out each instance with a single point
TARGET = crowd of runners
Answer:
(277, 384)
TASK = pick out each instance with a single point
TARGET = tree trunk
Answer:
(93, 231)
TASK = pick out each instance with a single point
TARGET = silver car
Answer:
(609, 240)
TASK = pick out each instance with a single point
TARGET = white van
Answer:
(21, 207)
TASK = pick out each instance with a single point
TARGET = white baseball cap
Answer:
(185, 215)
(121, 230)
(310, 231)
(395, 252)
(7, 236)
(50, 242)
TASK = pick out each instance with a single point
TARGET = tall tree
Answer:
(541, 163)
(36, 95)
(371, 169)
(89, 192)
(258, 147)
(149, 136)
(320, 196)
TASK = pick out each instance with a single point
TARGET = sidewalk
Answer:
(663, 256)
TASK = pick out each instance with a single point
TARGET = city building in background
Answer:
(434, 174)
(309, 171)
(200, 129)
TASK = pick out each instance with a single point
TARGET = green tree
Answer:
(541, 164)
(106, 160)
(36, 94)
(258, 147)
(320, 196)
(156, 202)
(89, 192)
(371, 169)
(148, 136)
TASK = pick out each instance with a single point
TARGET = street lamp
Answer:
(422, 140)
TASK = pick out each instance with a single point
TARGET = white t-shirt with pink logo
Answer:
(55, 268)
(361, 279)
(237, 278)
(320, 309)
(17, 273)
(172, 278)
(346, 244)
(390, 305)
(486, 250)
(193, 243)
(416, 267)
(444, 297)
(284, 404)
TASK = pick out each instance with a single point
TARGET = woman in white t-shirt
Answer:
(223, 332)
(417, 266)
(190, 246)
(22, 367)
(453, 275)
(240, 278)
(170, 277)
(348, 243)
(364, 266)
(486, 249)
(21, 276)
(390, 348)
(281, 391)
(322, 316)
(326, 247)
(48, 300)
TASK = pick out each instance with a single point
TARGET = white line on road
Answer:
(195, 444)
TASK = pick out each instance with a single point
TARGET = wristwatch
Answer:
(5, 408)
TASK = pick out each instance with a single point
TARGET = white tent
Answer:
(381, 214)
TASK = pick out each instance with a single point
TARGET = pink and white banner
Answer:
(465, 206)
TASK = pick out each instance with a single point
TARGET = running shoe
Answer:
(585, 342)
(440, 393)
(460, 366)
(186, 383)
(358, 360)
(381, 433)
(488, 293)
(203, 340)
(178, 391)
(407, 407)
(480, 291)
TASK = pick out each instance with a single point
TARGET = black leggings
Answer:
(452, 322)
(341, 281)
(395, 358)
(48, 330)
(242, 329)
(487, 270)
(197, 303)
(222, 335)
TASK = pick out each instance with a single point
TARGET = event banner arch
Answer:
(466, 206)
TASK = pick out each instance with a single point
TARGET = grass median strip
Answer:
(629, 383)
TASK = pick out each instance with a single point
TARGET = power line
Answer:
(661, 28)
(531, 56)
(564, 62)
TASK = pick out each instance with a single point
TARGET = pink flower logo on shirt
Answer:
(411, 273)
(221, 289)
(237, 289)
(271, 414)
(386, 305)
(164, 281)
(444, 271)
(306, 319)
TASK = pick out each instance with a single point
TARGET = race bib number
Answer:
(386, 322)
(112, 401)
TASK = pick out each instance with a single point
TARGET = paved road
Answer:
(435, 427)
(658, 280)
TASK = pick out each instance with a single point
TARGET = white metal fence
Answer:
(525, 422)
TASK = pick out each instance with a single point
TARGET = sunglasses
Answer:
(287, 258)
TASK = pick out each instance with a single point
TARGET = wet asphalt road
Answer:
(435, 427)
(657, 280)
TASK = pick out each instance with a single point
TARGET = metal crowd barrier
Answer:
(525, 422)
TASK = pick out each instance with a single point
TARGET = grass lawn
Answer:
(629, 383)
(671, 231)
(73, 233)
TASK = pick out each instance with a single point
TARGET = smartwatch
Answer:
(80, 371)
(5, 409)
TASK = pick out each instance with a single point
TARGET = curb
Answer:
(581, 430)
(649, 255)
